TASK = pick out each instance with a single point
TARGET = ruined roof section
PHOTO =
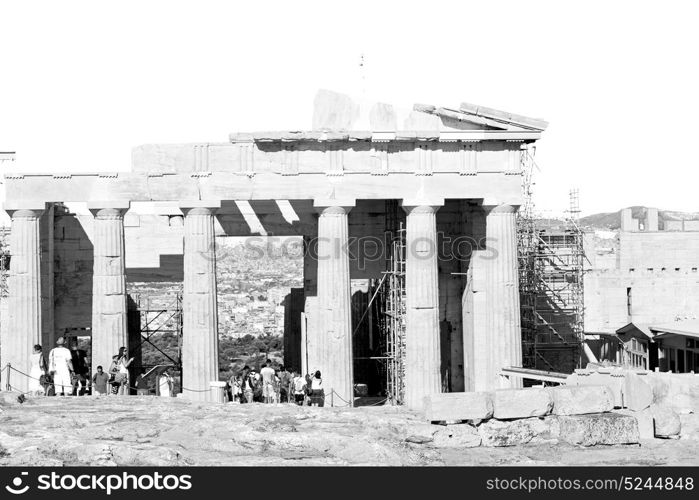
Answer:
(488, 117)
(337, 117)
(503, 117)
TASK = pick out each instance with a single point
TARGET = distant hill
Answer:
(612, 220)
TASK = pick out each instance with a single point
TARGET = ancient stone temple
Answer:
(450, 177)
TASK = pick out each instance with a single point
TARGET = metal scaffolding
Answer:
(392, 294)
(155, 320)
(551, 266)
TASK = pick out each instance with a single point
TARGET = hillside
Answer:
(612, 220)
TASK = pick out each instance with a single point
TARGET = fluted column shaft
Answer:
(199, 307)
(422, 367)
(109, 315)
(24, 282)
(503, 324)
(334, 346)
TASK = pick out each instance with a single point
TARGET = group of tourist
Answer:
(67, 372)
(278, 385)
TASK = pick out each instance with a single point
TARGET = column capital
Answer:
(105, 204)
(204, 205)
(421, 205)
(24, 209)
(497, 209)
(322, 204)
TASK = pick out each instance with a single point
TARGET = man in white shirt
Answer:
(299, 385)
(268, 375)
(61, 367)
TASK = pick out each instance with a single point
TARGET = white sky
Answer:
(81, 82)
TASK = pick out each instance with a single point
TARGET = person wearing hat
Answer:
(61, 367)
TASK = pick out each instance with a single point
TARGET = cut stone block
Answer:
(644, 419)
(612, 378)
(457, 436)
(689, 426)
(679, 391)
(581, 400)
(667, 422)
(421, 433)
(521, 403)
(638, 395)
(600, 428)
(518, 432)
(10, 397)
(458, 406)
(334, 111)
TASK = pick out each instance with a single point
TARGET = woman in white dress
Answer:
(123, 371)
(165, 385)
(37, 372)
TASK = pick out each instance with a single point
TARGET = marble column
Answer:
(109, 314)
(476, 339)
(199, 306)
(333, 344)
(502, 318)
(24, 299)
(422, 352)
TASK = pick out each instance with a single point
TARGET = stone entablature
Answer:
(335, 153)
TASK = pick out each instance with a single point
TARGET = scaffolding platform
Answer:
(551, 271)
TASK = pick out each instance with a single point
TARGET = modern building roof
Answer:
(687, 328)
(642, 328)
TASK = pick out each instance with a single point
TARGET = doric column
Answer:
(422, 363)
(24, 308)
(476, 339)
(333, 349)
(502, 320)
(199, 307)
(109, 316)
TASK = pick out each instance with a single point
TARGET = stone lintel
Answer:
(385, 136)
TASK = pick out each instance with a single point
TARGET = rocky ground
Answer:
(170, 431)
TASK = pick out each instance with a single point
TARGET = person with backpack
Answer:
(317, 391)
(299, 388)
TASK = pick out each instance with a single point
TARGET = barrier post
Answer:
(8, 387)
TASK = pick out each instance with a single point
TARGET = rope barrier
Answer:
(22, 373)
(129, 386)
(332, 391)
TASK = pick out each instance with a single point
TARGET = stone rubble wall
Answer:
(609, 408)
